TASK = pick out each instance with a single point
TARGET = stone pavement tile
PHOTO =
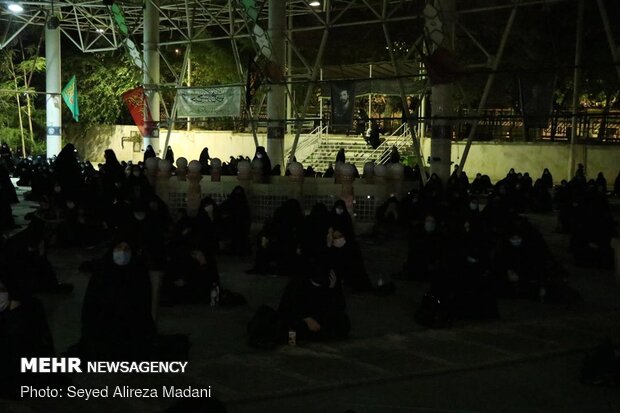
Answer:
(515, 344)
(564, 337)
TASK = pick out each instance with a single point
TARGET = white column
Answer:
(276, 99)
(151, 71)
(53, 100)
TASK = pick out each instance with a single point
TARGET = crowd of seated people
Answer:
(468, 240)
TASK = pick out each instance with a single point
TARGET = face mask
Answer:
(429, 226)
(70, 205)
(515, 241)
(473, 206)
(339, 242)
(259, 155)
(139, 215)
(471, 260)
(57, 189)
(209, 208)
(4, 301)
(136, 174)
(120, 257)
(339, 211)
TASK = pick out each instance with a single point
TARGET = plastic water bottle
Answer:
(215, 296)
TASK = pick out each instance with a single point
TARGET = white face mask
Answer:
(339, 242)
(136, 173)
(139, 215)
(471, 259)
(70, 205)
(209, 208)
(259, 155)
(473, 206)
(120, 257)
(515, 241)
(339, 211)
(4, 301)
(57, 189)
(429, 226)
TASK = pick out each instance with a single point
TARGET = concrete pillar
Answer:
(297, 178)
(181, 169)
(194, 194)
(53, 100)
(442, 103)
(151, 72)
(257, 171)
(369, 172)
(151, 165)
(162, 188)
(276, 99)
(216, 170)
(347, 176)
(244, 174)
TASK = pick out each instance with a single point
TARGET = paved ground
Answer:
(527, 362)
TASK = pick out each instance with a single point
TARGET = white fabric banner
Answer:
(209, 102)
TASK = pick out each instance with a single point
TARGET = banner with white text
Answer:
(209, 102)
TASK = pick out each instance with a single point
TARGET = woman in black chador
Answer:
(314, 306)
(67, 172)
(170, 155)
(236, 222)
(204, 161)
(116, 314)
(149, 153)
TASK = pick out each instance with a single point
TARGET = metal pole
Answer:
(173, 112)
(576, 81)
(289, 65)
(276, 99)
(321, 102)
(150, 73)
(610, 36)
(487, 86)
(315, 72)
(369, 92)
(189, 83)
(53, 121)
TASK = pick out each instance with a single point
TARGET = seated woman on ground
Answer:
(116, 313)
(314, 306)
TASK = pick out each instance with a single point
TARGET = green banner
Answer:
(209, 102)
(70, 96)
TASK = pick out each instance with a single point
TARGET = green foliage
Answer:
(102, 78)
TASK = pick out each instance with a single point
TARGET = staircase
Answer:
(319, 149)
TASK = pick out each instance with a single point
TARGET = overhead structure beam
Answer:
(487, 87)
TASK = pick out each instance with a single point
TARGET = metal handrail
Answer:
(312, 138)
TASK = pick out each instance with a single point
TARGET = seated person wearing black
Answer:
(518, 266)
(25, 256)
(192, 275)
(116, 314)
(345, 258)
(279, 240)
(314, 307)
(426, 249)
(24, 332)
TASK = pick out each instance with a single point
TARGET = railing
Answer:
(505, 125)
(399, 138)
(308, 140)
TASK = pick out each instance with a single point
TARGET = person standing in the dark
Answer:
(149, 153)
(67, 172)
(170, 155)
(204, 161)
(261, 155)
